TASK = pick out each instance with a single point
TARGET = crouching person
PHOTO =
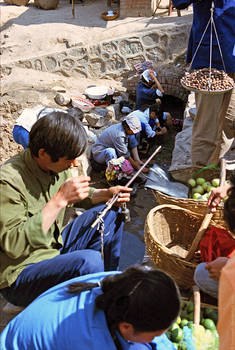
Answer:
(36, 250)
(119, 140)
(125, 311)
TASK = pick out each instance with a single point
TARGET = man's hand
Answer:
(216, 196)
(214, 267)
(73, 190)
(122, 191)
(106, 194)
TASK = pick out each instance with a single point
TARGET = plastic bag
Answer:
(159, 180)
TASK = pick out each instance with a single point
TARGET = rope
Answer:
(211, 21)
(100, 229)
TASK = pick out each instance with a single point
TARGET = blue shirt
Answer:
(61, 320)
(144, 120)
(145, 95)
(224, 19)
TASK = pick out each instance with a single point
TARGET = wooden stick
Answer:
(207, 218)
(197, 305)
(73, 10)
(199, 235)
(158, 3)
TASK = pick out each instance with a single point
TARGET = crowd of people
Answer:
(64, 276)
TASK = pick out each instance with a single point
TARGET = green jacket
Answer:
(25, 190)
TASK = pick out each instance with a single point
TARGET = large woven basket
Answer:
(169, 232)
(196, 206)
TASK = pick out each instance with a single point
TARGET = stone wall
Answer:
(115, 59)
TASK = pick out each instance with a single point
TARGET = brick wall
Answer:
(136, 8)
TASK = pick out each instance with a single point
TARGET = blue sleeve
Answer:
(163, 343)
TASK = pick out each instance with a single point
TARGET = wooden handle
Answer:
(198, 237)
(197, 305)
(222, 171)
(206, 221)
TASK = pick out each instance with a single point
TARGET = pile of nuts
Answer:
(206, 80)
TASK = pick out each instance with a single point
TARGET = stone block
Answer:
(113, 111)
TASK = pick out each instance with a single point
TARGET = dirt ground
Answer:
(27, 31)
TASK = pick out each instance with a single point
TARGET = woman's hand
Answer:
(214, 267)
(217, 194)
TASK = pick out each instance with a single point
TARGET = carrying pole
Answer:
(110, 203)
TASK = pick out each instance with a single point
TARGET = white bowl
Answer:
(96, 92)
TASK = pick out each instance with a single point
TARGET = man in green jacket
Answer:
(36, 250)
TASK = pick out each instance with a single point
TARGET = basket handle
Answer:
(199, 235)
(207, 217)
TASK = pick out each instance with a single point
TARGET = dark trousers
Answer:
(80, 255)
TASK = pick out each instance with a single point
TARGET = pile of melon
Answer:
(201, 189)
(204, 336)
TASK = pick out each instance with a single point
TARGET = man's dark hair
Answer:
(149, 83)
(229, 206)
(156, 108)
(60, 134)
(125, 125)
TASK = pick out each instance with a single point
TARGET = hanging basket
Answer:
(169, 232)
(207, 81)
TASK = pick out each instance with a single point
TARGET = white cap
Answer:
(146, 76)
(133, 122)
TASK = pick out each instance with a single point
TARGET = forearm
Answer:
(134, 163)
(100, 196)
(162, 131)
(158, 85)
(51, 211)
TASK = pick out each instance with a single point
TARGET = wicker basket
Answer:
(169, 232)
(109, 18)
(196, 206)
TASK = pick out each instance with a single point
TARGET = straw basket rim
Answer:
(150, 218)
(163, 257)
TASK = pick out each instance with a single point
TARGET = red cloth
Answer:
(216, 242)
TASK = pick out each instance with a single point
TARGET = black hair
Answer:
(229, 205)
(60, 134)
(149, 83)
(146, 298)
(156, 108)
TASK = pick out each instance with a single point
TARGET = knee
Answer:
(200, 274)
(92, 261)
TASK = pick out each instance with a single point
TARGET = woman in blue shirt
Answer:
(107, 310)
